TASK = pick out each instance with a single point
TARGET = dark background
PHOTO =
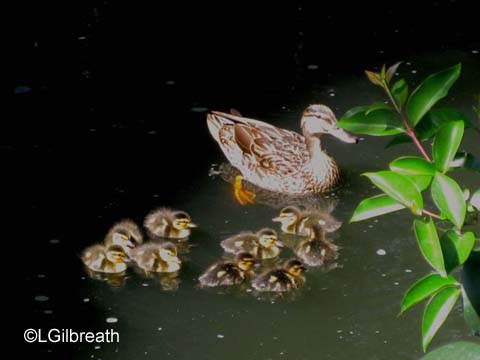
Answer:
(98, 126)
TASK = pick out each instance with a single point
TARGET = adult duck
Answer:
(277, 159)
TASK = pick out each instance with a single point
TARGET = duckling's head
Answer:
(319, 119)
(168, 252)
(182, 221)
(294, 267)
(268, 238)
(289, 216)
(245, 261)
(116, 254)
(123, 238)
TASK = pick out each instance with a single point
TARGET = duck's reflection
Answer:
(114, 280)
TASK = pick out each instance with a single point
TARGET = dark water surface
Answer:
(122, 169)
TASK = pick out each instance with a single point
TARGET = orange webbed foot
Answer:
(242, 195)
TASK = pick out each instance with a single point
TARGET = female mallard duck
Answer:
(317, 250)
(277, 159)
(99, 258)
(263, 245)
(167, 223)
(153, 257)
(299, 222)
(288, 277)
(126, 234)
(226, 273)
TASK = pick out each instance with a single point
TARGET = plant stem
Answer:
(408, 129)
(429, 213)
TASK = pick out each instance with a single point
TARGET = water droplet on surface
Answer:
(41, 298)
(220, 336)
(312, 67)
(111, 320)
(381, 252)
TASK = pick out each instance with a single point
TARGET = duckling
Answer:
(125, 233)
(286, 278)
(99, 258)
(298, 222)
(263, 245)
(226, 273)
(317, 250)
(168, 223)
(153, 257)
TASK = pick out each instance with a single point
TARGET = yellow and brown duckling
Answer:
(106, 259)
(227, 273)
(288, 277)
(317, 250)
(294, 220)
(167, 223)
(159, 258)
(126, 234)
(263, 244)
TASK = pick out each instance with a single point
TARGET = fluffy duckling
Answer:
(226, 273)
(317, 250)
(263, 245)
(298, 222)
(281, 279)
(168, 223)
(99, 258)
(153, 257)
(126, 234)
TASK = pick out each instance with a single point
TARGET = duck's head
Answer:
(268, 238)
(319, 119)
(116, 254)
(245, 261)
(182, 221)
(295, 267)
(168, 252)
(288, 216)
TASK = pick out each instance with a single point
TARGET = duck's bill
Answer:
(277, 219)
(279, 243)
(344, 136)
(192, 225)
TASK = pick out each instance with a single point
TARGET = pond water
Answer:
(346, 313)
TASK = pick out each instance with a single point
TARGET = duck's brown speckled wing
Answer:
(246, 241)
(269, 149)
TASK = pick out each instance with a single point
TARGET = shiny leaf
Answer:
(419, 170)
(446, 144)
(448, 197)
(400, 92)
(391, 71)
(374, 77)
(430, 91)
(429, 244)
(375, 206)
(456, 248)
(380, 122)
(399, 188)
(475, 200)
(460, 350)
(436, 312)
(424, 288)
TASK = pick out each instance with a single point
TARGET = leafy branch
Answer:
(412, 118)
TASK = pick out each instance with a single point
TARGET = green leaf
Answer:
(374, 78)
(466, 161)
(456, 248)
(460, 350)
(446, 144)
(399, 139)
(400, 92)
(381, 122)
(378, 106)
(448, 197)
(419, 170)
(469, 314)
(430, 91)
(475, 200)
(436, 312)
(375, 206)
(424, 288)
(429, 244)
(399, 188)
